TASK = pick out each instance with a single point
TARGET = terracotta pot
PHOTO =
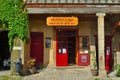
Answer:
(32, 70)
(94, 72)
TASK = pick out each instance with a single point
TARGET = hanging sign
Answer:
(62, 21)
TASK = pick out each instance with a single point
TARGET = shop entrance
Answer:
(71, 50)
(66, 47)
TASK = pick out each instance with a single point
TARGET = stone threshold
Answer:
(72, 67)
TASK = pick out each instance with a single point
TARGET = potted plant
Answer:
(117, 69)
(94, 70)
(30, 66)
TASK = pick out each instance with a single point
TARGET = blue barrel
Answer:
(18, 65)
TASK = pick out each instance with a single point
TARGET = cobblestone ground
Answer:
(61, 74)
(67, 74)
(4, 72)
(64, 74)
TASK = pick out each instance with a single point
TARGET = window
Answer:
(83, 44)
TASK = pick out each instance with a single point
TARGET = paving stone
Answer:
(64, 74)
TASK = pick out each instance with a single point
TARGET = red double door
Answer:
(65, 47)
(37, 46)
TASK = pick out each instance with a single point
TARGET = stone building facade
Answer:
(70, 45)
(74, 29)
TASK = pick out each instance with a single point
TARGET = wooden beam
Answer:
(43, 10)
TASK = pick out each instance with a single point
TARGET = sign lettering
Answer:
(62, 21)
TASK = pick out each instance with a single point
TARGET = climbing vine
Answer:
(14, 18)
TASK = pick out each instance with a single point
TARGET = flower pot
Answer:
(94, 72)
(32, 70)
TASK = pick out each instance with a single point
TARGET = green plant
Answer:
(14, 18)
(94, 70)
(4, 78)
(11, 78)
(30, 66)
(30, 63)
(96, 79)
(117, 68)
(94, 60)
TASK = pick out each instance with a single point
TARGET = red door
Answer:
(61, 48)
(37, 47)
(108, 53)
(83, 55)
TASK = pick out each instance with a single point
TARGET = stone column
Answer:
(118, 57)
(15, 54)
(101, 44)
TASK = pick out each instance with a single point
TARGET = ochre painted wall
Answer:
(39, 25)
(85, 28)
(116, 47)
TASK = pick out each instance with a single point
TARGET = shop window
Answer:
(62, 46)
(84, 44)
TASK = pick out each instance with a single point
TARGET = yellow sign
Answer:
(62, 21)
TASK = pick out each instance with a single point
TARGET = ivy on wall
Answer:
(14, 18)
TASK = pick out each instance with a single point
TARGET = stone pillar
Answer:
(101, 44)
(118, 57)
(51, 61)
(15, 54)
